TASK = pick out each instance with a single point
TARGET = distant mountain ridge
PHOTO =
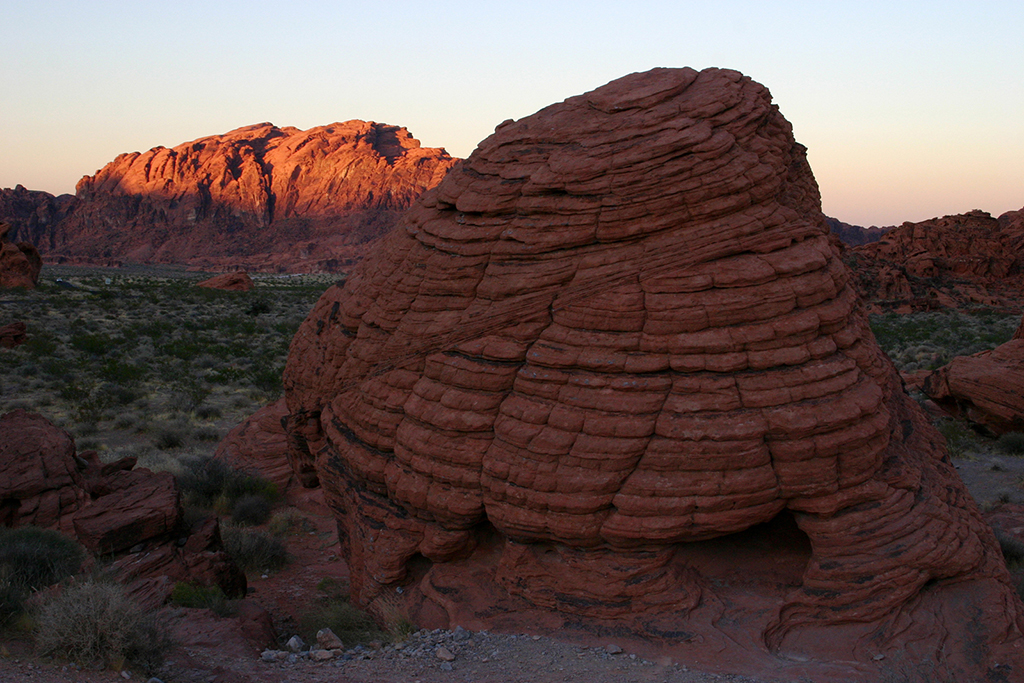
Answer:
(258, 197)
(855, 235)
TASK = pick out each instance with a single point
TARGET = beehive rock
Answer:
(616, 331)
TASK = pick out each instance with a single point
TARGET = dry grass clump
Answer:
(32, 558)
(95, 622)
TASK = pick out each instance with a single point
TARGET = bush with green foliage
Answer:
(194, 595)
(208, 482)
(32, 558)
(94, 622)
(959, 437)
(254, 550)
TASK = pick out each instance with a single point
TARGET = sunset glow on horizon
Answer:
(908, 111)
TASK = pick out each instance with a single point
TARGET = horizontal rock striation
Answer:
(257, 198)
(615, 332)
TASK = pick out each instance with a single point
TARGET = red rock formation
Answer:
(855, 235)
(13, 334)
(109, 508)
(20, 263)
(955, 261)
(986, 388)
(260, 444)
(259, 198)
(238, 281)
(589, 378)
(34, 216)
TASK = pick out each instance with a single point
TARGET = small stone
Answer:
(321, 655)
(460, 634)
(328, 640)
(154, 679)
(878, 658)
(125, 674)
(613, 649)
(444, 654)
(446, 666)
(536, 637)
(295, 644)
(137, 548)
(269, 655)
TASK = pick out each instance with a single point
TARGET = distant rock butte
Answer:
(257, 198)
(20, 264)
(957, 261)
(855, 235)
(612, 374)
(34, 216)
(239, 281)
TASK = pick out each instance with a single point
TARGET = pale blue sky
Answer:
(909, 109)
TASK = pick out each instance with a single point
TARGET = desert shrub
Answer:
(169, 437)
(254, 550)
(258, 307)
(194, 595)
(187, 395)
(266, 377)
(207, 482)
(349, 623)
(96, 622)
(206, 434)
(1011, 443)
(250, 510)
(33, 558)
(208, 413)
(285, 521)
(959, 437)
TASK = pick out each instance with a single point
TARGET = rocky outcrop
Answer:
(35, 216)
(260, 445)
(985, 388)
(854, 235)
(257, 198)
(13, 334)
(956, 261)
(20, 264)
(109, 508)
(239, 281)
(612, 372)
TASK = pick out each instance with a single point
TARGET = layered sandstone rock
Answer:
(109, 508)
(259, 198)
(601, 370)
(260, 444)
(13, 334)
(986, 388)
(964, 260)
(35, 216)
(20, 264)
(239, 281)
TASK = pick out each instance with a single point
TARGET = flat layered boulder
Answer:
(238, 281)
(612, 374)
(986, 388)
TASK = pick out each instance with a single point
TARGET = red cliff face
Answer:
(611, 371)
(961, 260)
(20, 264)
(260, 198)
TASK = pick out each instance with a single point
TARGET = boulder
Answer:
(260, 445)
(13, 334)
(109, 508)
(20, 264)
(985, 388)
(612, 374)
(238, 281)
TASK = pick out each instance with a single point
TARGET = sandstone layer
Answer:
(20, 264)
(109, 508)
(257, 198)
(35, 216)
(957, 261)
(986, 388)
(612, 368)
